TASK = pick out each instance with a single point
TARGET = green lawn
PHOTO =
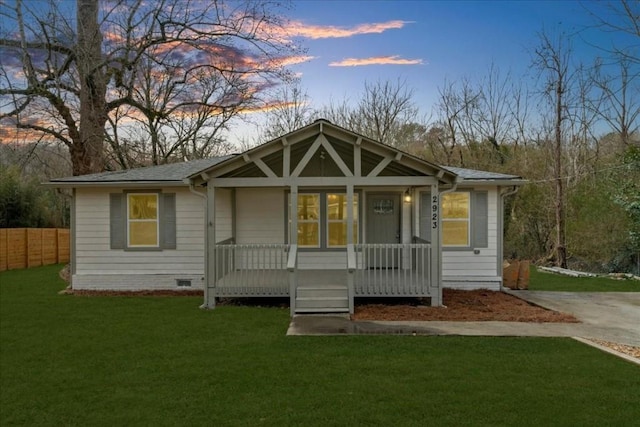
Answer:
(541, 281)
(67, 360)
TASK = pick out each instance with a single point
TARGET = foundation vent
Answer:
(183, 283)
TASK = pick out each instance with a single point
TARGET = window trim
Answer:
(129, 221)
(324, 224)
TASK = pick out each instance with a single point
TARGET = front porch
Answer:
(372, 270)
(323, 215)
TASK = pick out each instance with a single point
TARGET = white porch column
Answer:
(293, 240)
(435, 224)
(210, 252)
(350, 214)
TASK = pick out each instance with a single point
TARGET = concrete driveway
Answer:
(608, 316)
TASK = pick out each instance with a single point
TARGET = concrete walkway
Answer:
(608, 316)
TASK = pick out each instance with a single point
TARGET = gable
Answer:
(325, 150)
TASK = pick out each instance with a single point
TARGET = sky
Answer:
(425, 43)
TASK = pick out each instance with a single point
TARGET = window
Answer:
(308, 220)
(322, 220)
(142, 220)
(337, 220)
(455, 219)
(464, 219)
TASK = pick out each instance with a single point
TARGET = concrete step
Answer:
(321, 310)
(324, 303)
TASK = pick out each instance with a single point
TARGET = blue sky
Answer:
(433, 41)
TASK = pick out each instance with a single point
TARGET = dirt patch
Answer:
(462, 306)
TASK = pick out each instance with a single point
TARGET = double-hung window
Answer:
(456, 228)
(322, 220)
(142, 220)
(308, 220)
(464, 219)
(337, 211)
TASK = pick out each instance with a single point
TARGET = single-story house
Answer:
(321, 215)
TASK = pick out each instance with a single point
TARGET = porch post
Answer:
(436, 248)
(293, 240)
(350, 214)
(350, 242)
(210, 253)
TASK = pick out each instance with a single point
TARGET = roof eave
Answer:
(497, 181)
(119, 184)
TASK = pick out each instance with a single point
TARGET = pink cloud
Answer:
(375, 60)
(300, 29)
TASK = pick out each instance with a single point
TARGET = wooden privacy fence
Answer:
(33, 247)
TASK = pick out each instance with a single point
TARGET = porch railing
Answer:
(392, 269)
(251, 269)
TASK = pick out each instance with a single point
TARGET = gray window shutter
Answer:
(480, 221)
(425, 216)
(168, 221)
(117, 220)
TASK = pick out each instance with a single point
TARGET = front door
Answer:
(383, 226)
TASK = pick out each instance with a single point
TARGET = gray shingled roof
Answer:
(471, 174)
(174, 172)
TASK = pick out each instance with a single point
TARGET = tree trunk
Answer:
(561, 248)
(87, 155)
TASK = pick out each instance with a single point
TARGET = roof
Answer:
(179, 173)
(170, 173)
(476, 175)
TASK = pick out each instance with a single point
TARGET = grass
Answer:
(541, 281)
(67, 360)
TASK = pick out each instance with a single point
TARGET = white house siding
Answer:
(468, 270)
(100, 267)
(260, 215)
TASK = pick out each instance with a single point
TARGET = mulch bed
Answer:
(462, 306)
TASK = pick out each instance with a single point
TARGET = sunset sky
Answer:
(421, 43)
(427, 42)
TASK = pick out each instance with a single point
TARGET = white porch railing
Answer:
(251, 270)
(391, 269)
(256, 270)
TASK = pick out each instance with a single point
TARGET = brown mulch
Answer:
(463, 306)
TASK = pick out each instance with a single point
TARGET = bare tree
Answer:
(381, 112)
(620, 16)
(164, 61)
(619, 104)
(289, 111)
(552, 60)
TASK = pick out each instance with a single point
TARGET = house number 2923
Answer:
(434, 212)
